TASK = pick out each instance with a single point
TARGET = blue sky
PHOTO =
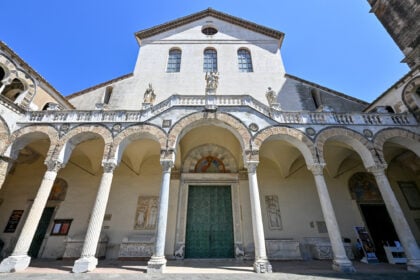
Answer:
(77, 44)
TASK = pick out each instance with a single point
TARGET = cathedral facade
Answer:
(209, 149)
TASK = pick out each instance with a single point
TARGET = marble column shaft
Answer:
(397, 216)
(341, 262)
(19, 259)
(88, 261)
(261, 262)
(158, 261)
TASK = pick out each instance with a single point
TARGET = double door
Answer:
(209, 231)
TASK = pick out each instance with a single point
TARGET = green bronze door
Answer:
(41, 230)
(209, 222)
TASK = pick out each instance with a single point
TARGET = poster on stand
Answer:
(367, 245)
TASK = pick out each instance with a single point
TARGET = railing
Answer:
(304, 117)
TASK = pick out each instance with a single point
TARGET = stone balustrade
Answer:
(303, 117)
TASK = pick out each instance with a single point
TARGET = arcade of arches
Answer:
(273, 183)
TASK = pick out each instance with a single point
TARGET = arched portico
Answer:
(373, 161)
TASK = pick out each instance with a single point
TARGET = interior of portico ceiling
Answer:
(284, 155)
(139, 154)
(399, 155)
(340, 158)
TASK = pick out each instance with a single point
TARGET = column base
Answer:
(413, 265)
(15, 263)
(262, 266)
(85, 264)
(343, 266)
(156, 264)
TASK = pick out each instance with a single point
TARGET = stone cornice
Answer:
(213, 13)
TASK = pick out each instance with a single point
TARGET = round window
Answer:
(209, 30)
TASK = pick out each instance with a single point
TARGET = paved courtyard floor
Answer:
(211, 269)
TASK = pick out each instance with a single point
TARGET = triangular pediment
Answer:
(143, 34)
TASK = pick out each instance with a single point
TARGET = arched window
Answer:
(2, 74)
(174, 61)
(13, 90)
(210, 60)
(244, 61)
(107, 95)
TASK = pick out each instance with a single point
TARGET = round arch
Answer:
(403, 137)
(355, 140)
(26, 135)
(80, 134)
(133, 133)
(223, 120)
(411, 96)
(293, 136)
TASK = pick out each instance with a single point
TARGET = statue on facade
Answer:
(212, 81)
(271, 96)
(149, 95)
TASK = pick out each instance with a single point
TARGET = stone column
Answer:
(157, 263)
(88, 261)
(397, 216)
(261, 263)
(340, 262)
(19, 260)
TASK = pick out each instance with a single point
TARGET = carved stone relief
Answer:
(146, 213)
(273, 212)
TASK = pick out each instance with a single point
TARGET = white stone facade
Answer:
(288, 163)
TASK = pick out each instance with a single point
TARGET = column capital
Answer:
(109, 167)
(166, 164)
(317, 168)
(252, 166)
(251, 155)
(377, 169)
(54, 165)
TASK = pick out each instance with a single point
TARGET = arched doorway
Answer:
(363, 189)
(209, 219)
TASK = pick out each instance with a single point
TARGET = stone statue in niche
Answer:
(212, 81)
(146, 214)
(273, 212)
(149, 95)
(271, 96)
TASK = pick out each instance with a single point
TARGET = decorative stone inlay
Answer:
(310, 131)
(166, 123)
(253, 127)
(368, 133)
(116, 128)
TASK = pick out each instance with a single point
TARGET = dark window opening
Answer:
(209, 30)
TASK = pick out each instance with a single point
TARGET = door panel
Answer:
(209, 222)
(40, 232)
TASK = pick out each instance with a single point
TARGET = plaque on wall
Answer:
(146, 214)
(13, 221)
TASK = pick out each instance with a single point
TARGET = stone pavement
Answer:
(210, 269)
